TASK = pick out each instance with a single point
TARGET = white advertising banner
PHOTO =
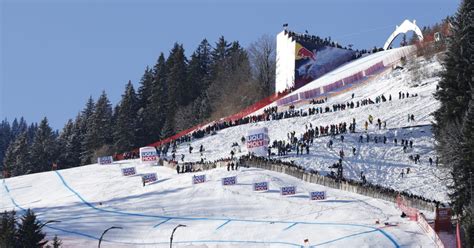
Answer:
(148, 154)
(258, 141)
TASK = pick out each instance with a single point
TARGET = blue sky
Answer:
(55, 54)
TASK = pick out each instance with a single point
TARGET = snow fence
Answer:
(312, 177)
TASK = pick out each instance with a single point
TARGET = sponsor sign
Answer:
(229, 180)
(149, 177)
(257, 141)
(317, 195)
(288, 190)
(105, 160)
(129, 171)
(261, 186)
(199, 179)
(148, 154)
(313, 59)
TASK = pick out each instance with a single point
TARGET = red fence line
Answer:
(458, 236)
(254, 107)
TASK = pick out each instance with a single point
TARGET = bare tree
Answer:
(262, 55)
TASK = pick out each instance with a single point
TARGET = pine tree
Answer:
(30, 234)
(155, 112)
(5, 139)
(44, 148)
(145, 88)
(176, 77)
(85, 125)
(31, 132)
(17, 158)
(125, 123)
(145, 92)
(57, 242)
(8, 230)
(70, 144)
(199, 70)
(455, 118)
(99, 129)
(18, 127)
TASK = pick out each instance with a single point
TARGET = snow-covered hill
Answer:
(89, 199)
(381, 163)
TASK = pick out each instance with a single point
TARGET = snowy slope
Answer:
(89, 199)
(382, 163)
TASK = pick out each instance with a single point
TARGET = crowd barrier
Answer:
(312, 177)
(458, 235)
(429, 230)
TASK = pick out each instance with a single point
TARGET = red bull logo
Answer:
(302, 52)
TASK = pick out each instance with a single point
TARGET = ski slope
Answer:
(381, 163)
(89, 199)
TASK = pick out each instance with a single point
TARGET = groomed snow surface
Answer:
(89, 199)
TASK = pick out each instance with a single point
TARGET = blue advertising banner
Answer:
(317, 195)
(129, 171)
(199, 179)
(288, 190)
(149, 177)
(229, 180)
(262, 186)
(105, 160)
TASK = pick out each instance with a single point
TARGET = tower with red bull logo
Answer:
(302, 58)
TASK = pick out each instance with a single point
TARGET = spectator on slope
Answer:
(436, 161)
(411, 143)
(201, 149)
(395, 141)
(190, 148)
(330, 144)
(402, 173)
(182, 157)
(341, 153)
(366, 125)
(371, 118)
(390, 97)
(368, 138)
(385, 139)
(269, 151)
(177, 168)
(408, 170)
(361, 139)
(408, 117)
(379, 122)
(353, 151)
(342, 138)
(412, 117)
(307, 149)
(232, 154)
(384, 124)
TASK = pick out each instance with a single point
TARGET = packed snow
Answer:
(89, 199)
(381, 163)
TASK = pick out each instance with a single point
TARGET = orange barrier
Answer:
(458, 236)
(402, 204)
